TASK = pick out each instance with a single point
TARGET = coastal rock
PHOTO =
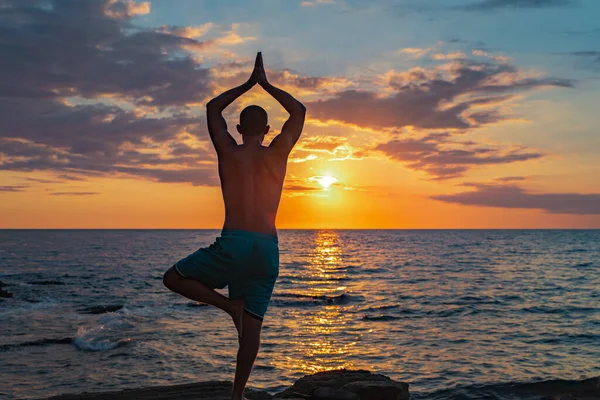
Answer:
(361, 384)
(378, 390)
(331, 385)
(212, 390)
(326, 393)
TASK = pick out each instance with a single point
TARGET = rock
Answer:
(5, 294)
(326, 393)
(378, 390)
(363, 384)
(211, 390)
(331, 385)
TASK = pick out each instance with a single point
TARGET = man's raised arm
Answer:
(217, 127)
(292, 128)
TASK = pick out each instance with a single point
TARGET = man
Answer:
(246, 255)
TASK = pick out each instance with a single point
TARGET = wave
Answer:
(583, 389)
(196, 304)
(541, 309)
(107, 335)
(294, 299)
(576, 251)
(48, 282)
(101, 309)
(584, 264)
(40, 342)
(379, 308)
(382, 317)
(98, 344)
(476, 300)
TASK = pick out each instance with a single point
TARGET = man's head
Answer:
(253, 121)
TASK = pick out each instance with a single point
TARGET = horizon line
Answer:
(304, 229)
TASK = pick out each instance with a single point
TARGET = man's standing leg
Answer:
(247, 352)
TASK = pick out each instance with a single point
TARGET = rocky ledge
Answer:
(330, 385)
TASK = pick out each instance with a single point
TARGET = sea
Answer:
(457, 314)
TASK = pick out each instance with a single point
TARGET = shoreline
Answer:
(338, 384)
(353, 385)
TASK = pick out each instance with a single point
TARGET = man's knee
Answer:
(170, 278)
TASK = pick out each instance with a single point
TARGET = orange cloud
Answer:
(457, 55)
(416, 52)
(126, 8)
(190, 32)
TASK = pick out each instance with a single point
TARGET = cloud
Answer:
(416, 52)
(86, 92)
(294, 187)
(322, 143)
(73, 193)
(593, 56)
(13, 188)
(443, 159)
(510, 178)
(420, 6)
(329, 148)
(316, 2)
(232, 37)
(301, 188)
(126, 9)
(492, 5)
(80, 49)
(457, 55)
(511, 196)
(98, 139)
(37, 180)
(452, 96)
(190, 32)
(231, 74)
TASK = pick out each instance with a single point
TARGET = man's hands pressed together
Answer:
(291, 130)
(259, 71)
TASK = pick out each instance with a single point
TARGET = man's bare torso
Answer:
(251, 181)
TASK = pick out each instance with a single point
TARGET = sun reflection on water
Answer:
(321, 341)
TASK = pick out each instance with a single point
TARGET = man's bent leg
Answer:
(247, 352)
(195, 290)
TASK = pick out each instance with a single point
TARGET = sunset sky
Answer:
(420, 113)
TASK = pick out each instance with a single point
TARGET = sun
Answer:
(326, 181)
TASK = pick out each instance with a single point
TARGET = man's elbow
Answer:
(301, 109)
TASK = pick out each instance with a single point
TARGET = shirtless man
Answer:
(245, 257)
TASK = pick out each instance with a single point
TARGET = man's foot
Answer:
(237, 314)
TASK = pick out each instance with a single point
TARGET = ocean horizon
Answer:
(453, 312)
(305, 229)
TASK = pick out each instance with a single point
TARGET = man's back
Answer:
(251, 181)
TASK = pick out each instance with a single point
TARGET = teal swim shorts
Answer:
(246, 262)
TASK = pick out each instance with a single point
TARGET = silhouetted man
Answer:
(245, 257)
